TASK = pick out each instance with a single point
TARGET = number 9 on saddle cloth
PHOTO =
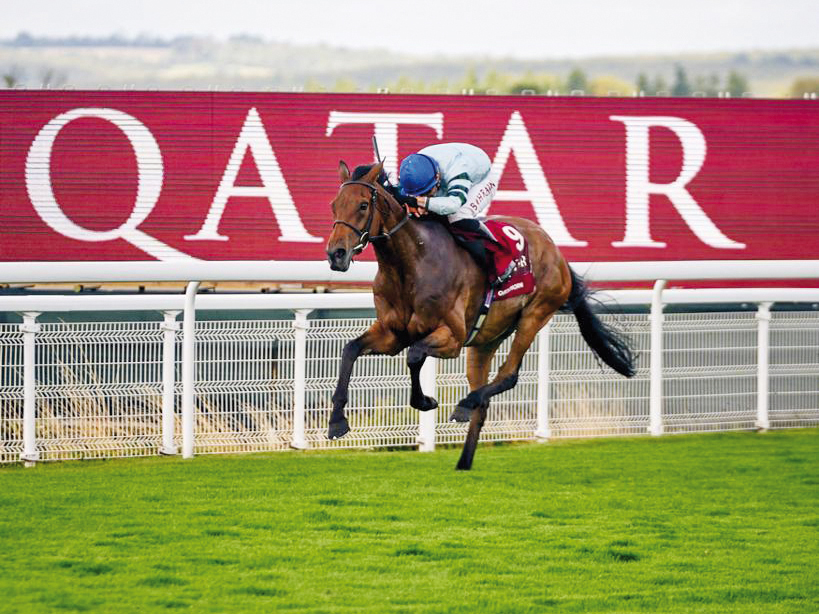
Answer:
(500, 250)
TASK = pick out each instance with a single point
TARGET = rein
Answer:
(364, 236)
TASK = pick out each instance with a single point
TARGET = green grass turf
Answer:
(704, 523)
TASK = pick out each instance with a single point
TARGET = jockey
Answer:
(453, 180)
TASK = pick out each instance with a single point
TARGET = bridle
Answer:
(364, 236)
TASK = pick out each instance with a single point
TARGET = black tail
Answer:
(608, 344)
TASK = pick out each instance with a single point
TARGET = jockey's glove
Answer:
(402, 198)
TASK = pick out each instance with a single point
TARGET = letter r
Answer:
(639, 187)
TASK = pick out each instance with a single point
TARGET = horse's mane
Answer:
(363, 169)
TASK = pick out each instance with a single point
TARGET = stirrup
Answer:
(504, 277)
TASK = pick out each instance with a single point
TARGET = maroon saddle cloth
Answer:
(511, 249)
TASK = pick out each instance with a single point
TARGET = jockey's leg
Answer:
(469, 231)
(466, 233)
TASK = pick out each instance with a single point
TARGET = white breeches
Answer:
(477, 200)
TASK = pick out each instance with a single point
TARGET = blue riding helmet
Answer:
(418, 174)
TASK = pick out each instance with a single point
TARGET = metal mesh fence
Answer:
(98, 389)
(589, 399)
(378, 407)
(709, 372)
(11, 392)
(794, 370)
(99, 385)
(244, 385)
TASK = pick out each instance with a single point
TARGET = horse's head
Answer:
(356, 214)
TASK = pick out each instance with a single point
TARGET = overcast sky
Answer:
(518, 28)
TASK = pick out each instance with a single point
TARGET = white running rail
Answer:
(66, 392)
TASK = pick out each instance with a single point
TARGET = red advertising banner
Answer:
(249, 176)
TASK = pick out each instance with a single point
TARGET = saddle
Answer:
(510, 257)
(509, 269)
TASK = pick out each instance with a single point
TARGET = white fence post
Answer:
(655, 403)
(543, 430)
(763, 344)
(427, 419)
(169, 327)
(188, 367)
(301, 324)
(30, 328)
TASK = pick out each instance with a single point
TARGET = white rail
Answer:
(319, 272)
(31, 306)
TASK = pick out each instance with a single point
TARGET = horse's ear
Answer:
(374, 173)
(343, 171)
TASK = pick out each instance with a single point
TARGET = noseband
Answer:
(364, 236)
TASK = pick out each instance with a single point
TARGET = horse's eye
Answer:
(363, 206)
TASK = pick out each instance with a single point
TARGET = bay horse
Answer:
(428, 292)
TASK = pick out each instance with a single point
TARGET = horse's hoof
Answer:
(463, 465)
(338, 429)
(426, 404)
(461, 414)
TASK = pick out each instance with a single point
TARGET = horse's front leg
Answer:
(376, 340)
(416, 355)
(441, 343)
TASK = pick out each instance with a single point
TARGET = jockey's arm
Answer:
(456, 190)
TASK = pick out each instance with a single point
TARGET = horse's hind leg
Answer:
(472, 435)
(478, 361)
(507, 376)
(376, 340)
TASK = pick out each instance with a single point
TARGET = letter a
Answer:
(537, 191)
(274, 187)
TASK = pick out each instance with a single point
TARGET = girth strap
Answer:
(476, 327)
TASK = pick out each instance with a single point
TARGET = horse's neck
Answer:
(403, 251)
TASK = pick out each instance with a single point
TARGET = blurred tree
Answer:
(736, 84)
(470, 80)
(577, 81)
(345, 85)
(496, 82)
(50, 77)
(12, 77)
(804, 85)
(530, 82)
(609, 86)
(659, 86)
(643, 84)
(681, 86)
(408, 86)
(524, 85)
(314, 85)
(709, 86)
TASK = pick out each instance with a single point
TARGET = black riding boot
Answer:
(466, 234)
(477, 250)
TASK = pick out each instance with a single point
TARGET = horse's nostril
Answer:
(339, 253)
